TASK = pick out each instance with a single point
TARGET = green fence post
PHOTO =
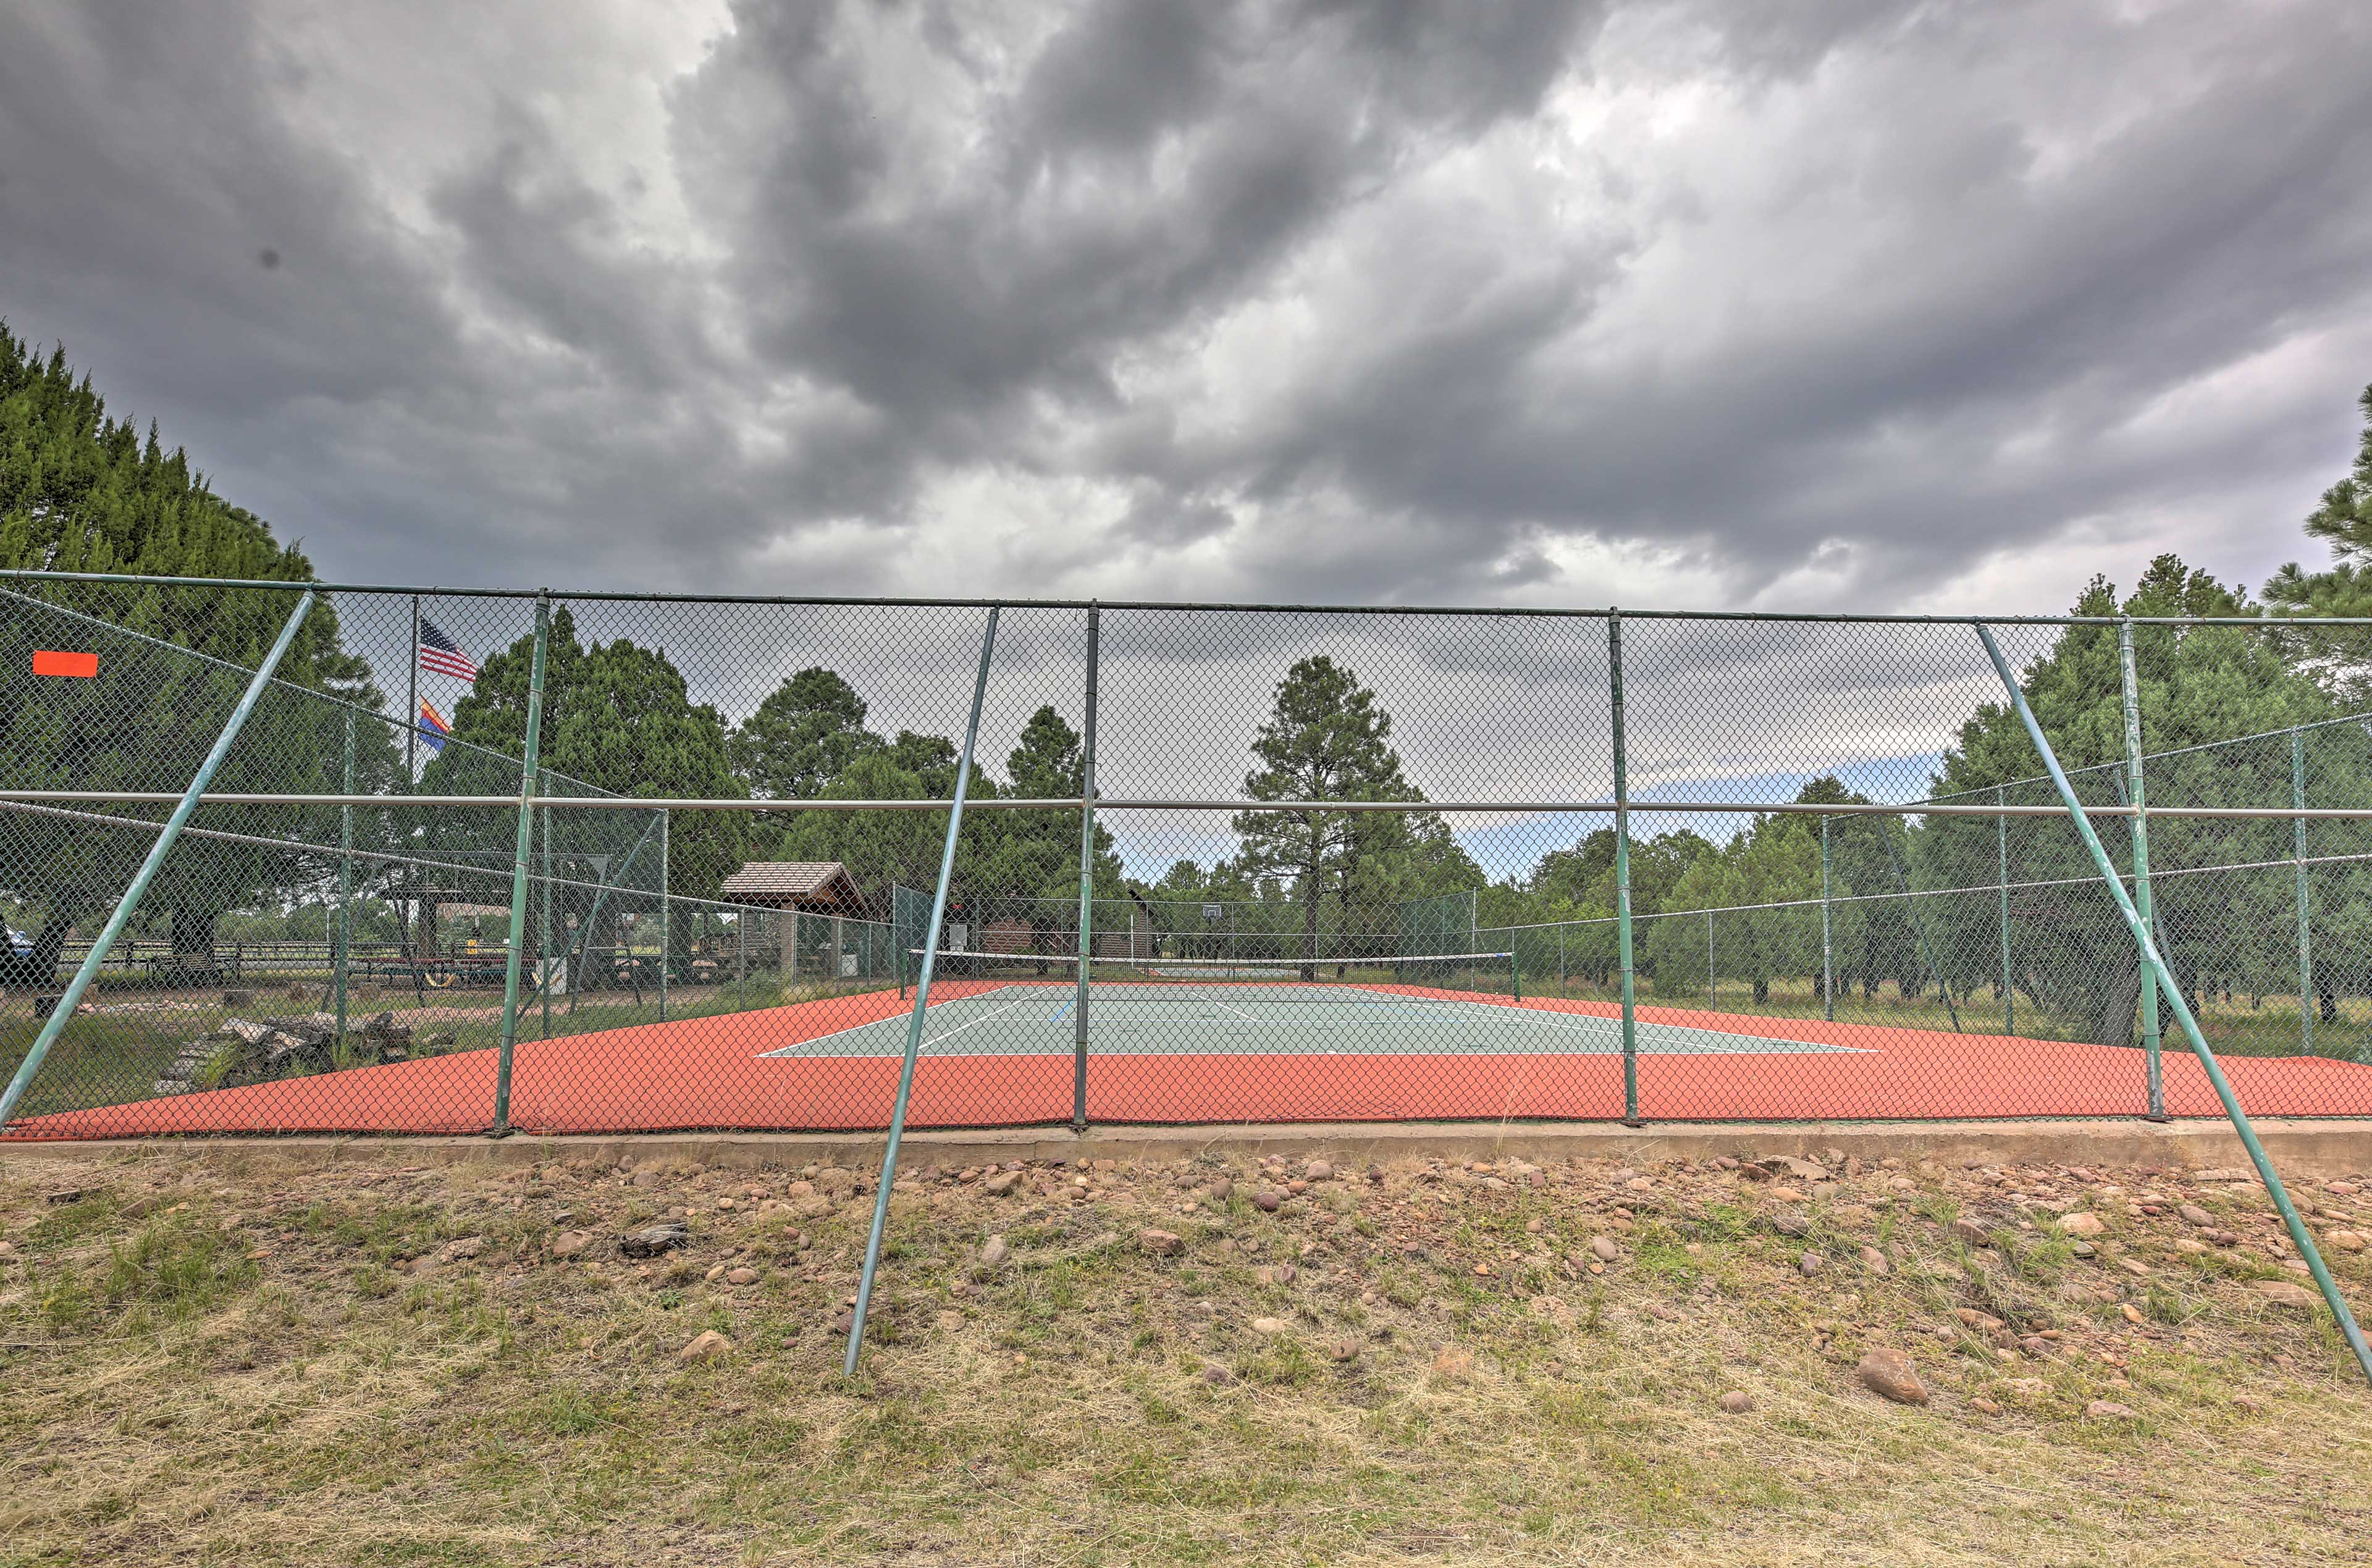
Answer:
(1712, 992)
(1828, 945)
(921, 1001)
(543, 946)
(2001, 864)
(2130, 684)
(519, 867)
(345, 887)
(2306, 996)
(666, 832)
(1087, 882)
(2299, 1236)
(87, 970)
(1622, 948)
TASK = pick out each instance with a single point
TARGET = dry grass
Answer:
(245, 1359)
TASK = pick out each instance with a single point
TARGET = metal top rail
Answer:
(887, 601)
(1104, 802)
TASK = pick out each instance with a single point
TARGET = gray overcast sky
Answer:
(1725, 303)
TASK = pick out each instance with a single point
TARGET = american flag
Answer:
(440, 652)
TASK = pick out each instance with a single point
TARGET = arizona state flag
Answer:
(434, 730)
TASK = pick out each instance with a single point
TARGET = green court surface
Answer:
(1287, 1019)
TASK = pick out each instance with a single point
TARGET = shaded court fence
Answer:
(460, 864)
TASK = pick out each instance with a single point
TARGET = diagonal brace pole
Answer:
(922, 1000)
(2180, 1006)
(55, 1023)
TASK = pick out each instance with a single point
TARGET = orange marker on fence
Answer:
(46, 662)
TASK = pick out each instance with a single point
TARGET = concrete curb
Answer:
(2321, 1148)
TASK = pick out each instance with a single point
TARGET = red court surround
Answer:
(710, 1072)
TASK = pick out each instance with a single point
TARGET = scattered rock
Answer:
(655, 1241)
(2346, 1240)
(1972, 1233)
(1889, 1375)
(1002, 1183)
(2107, 1409)
(1453, 1362)
(2082, 1224)
(1270, 1326)
(1737, 1401)
(844, 1322)
(1161, 1243)
(1788, 1222)
(465, 1246)
(741, 1276)
(68, 1194)
(1984, 1407)
(1318, 1170)
(1345, 1349)
(993, 1251)
(2196, 1216)
(708, 1346)
(569, 1243)
(1604, 1250)
(2282, 1292)
(1875, 1262)
(1217, 1375)
(1267, 1200)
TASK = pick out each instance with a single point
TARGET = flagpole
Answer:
(412, 767)
(412, 709)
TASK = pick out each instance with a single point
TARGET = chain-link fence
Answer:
(1337, 864)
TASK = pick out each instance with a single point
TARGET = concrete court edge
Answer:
(2309, 1147)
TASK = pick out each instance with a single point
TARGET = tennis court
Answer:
(1263, 1014)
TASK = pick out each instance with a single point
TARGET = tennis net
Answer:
(1364, 980)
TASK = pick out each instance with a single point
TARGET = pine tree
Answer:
(83, 491)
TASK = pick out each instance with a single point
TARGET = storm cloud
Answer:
(1744, 304)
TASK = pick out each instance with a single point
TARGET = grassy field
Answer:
(241, 1359)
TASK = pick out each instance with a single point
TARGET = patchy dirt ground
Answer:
(245, 1359)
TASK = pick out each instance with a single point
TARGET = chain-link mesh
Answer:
(1342, 864)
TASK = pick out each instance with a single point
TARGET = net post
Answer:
(1622, 941)
(1514, 971)
(2299, 1236)
(2001, 875)
(1712, 993)
(921, 1001)
(345, 887)
(2130, 687)
(502, 1057)
(1086, 880)
(1828, 943)
(2308, 999)
(87, 970)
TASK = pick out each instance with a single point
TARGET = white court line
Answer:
(798, 1046)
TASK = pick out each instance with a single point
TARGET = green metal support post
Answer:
(1623, 947)
(1828, 944)
(527, 773)
(2300, 1236)
(2001, 872)
(345, 887)
(543, 946)
(2308, 999)
(2131, 683)
(87, 970)
(666, 827)
(921, 1001)
(1087, 882)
